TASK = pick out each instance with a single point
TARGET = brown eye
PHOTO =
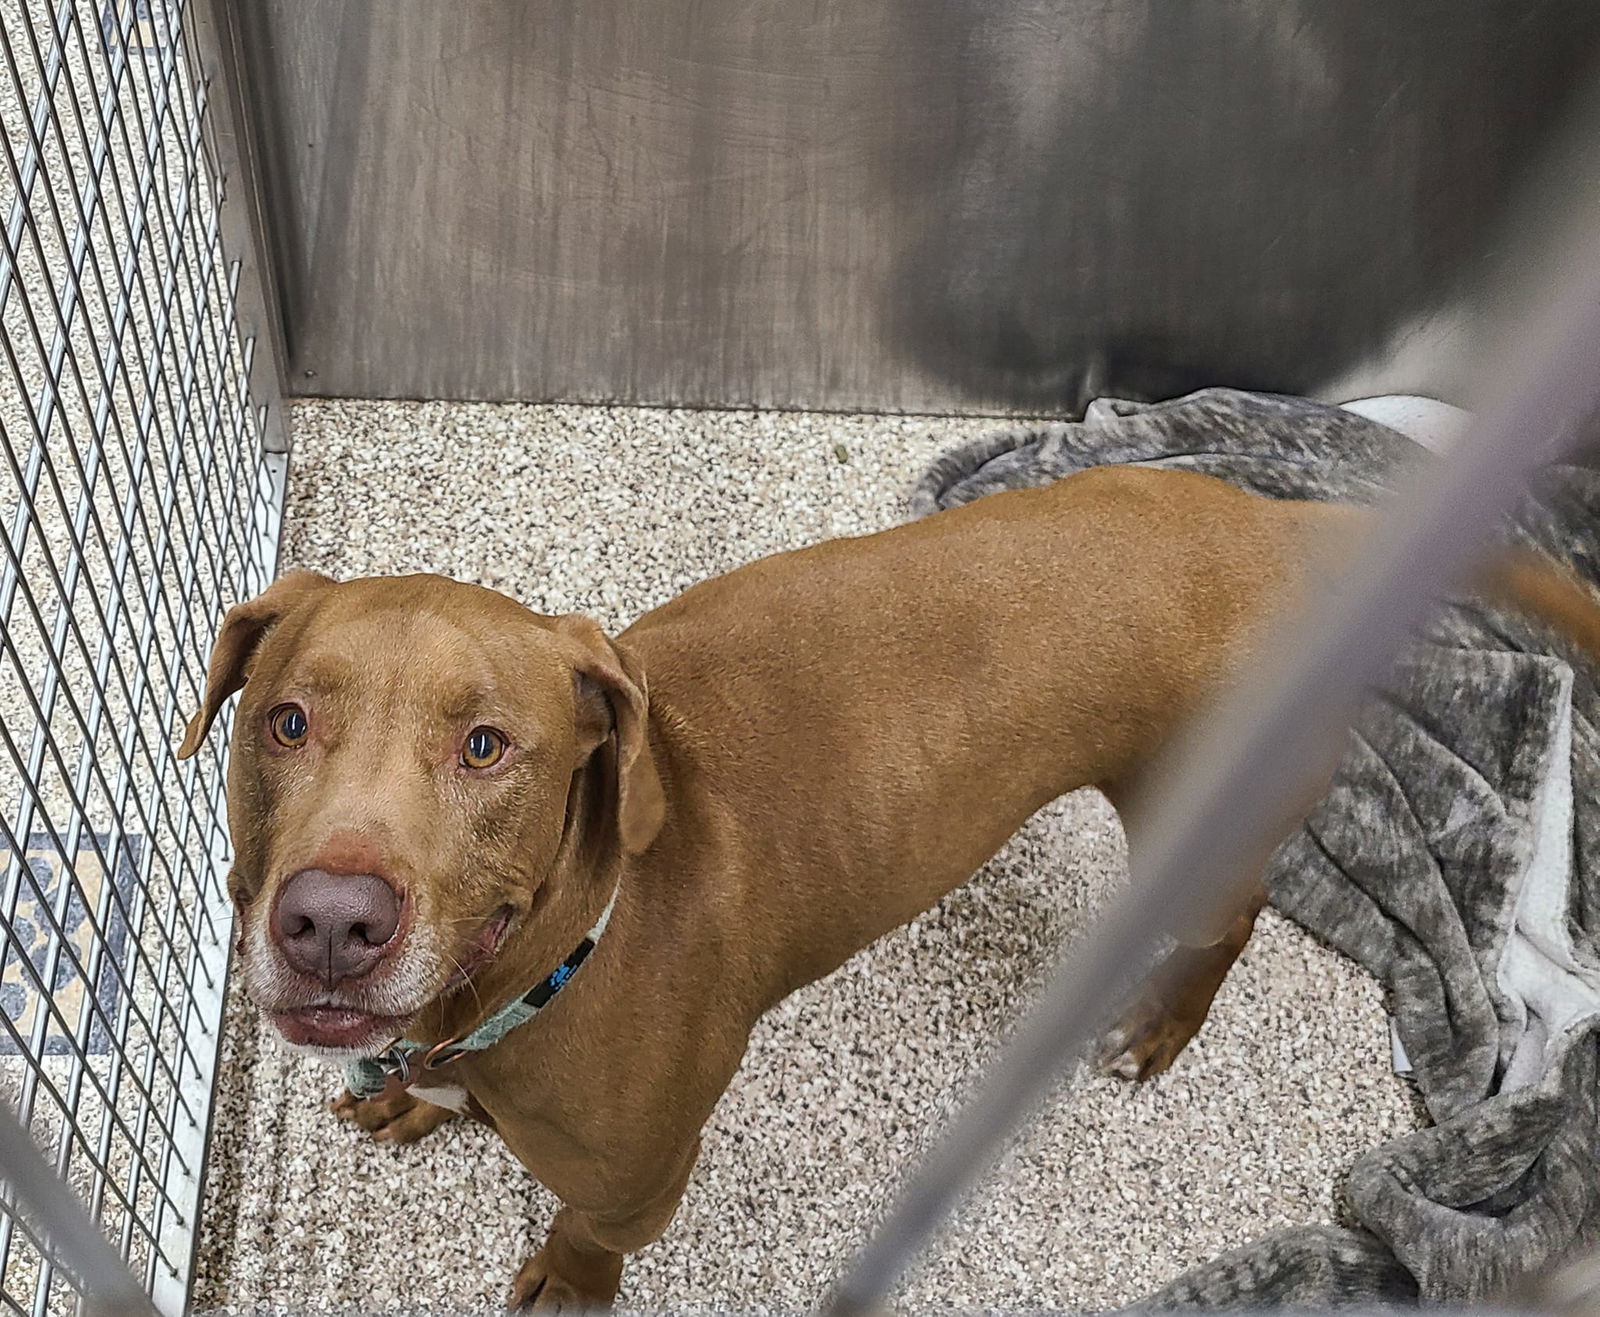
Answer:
(289, 726)
(483, 748)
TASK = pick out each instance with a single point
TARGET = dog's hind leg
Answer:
(1174, 1000)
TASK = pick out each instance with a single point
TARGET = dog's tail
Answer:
(1532, 583)
(1514, 577)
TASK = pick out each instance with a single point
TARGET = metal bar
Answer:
(183, 1175)
(171, 1290)
(103, 1280)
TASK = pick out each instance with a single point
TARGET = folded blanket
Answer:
(1456, 857)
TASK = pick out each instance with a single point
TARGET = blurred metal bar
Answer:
(1247, 773)
(106, 1284)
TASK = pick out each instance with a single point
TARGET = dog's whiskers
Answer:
(467, 977)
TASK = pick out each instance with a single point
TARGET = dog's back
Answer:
(922, 691)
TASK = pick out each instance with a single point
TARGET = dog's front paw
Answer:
(400, 1118)
(1146, 1040)
(556, 1280)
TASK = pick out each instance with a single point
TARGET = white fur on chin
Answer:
(340, 1056)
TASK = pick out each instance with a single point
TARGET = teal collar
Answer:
(369, 1076)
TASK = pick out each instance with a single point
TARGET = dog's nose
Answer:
(335, 926)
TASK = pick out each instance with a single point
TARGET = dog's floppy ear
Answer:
(237, 642)
(612, 699)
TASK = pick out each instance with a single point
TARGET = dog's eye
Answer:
(483, 749)
(289, 726)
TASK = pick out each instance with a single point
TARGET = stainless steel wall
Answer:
(882, 204)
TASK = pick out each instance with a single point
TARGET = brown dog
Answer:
(434, 794)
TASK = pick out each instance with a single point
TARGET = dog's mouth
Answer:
(338, 1028)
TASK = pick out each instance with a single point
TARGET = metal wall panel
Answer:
(884, 204)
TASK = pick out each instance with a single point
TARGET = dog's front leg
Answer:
(391, 1117)
(579, 1266)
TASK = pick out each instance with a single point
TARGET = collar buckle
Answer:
(441, 1054)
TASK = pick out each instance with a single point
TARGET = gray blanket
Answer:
(1455, 858)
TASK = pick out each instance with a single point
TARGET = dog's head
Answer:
(416, 764)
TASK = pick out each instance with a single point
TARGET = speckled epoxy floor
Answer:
(1113, 1191)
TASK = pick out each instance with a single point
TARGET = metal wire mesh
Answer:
(136, 503)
